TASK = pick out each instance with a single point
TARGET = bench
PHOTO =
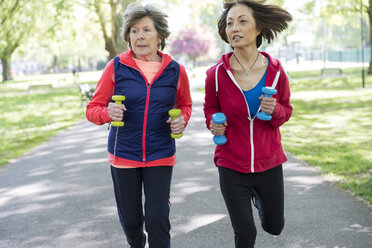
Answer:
(331, 71)
(86, 92)
(39, 86)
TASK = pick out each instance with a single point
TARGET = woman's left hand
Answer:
(177, 125)
(268, 104)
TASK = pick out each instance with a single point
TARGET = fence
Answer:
(351, 55)
(348, 55)
(297, 57)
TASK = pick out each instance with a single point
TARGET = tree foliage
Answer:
(344, 16)
(190, 43)
(109, 17)
(22, 19)
(16, 23)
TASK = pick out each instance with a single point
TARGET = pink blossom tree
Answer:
(192, 43)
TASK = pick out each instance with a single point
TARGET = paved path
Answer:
(60, 195)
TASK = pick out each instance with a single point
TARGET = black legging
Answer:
(155, 183)
(238, 189)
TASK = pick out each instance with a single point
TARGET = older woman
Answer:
(250, 163)
(142, 151)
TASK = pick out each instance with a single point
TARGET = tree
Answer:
(369, 11)
(190, 43)
(16, 23)
(109, 18)
(333, 10)
(22, 19)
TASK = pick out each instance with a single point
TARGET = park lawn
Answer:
(331, 128)
(29, 117)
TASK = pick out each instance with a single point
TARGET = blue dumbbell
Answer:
(219, 118)
(269, 92)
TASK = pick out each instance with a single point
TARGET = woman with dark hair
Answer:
(142, 152)
(250, 162)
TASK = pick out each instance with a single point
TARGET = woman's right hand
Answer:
(217, 129)
(116, 111)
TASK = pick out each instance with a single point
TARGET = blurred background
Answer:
(53, 52)
(43, 36)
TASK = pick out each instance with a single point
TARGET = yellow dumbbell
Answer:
(174, 113)
(118, 100)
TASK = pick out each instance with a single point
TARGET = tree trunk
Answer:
(110, 47)
(55, 64)
(7, 75)
(370, 34)
(115, 28)
(113, 42)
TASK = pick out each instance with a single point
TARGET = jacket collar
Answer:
(127, 59)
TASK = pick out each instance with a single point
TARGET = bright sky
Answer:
(179, 17)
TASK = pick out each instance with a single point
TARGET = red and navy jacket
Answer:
(145, 135)
(253, 145)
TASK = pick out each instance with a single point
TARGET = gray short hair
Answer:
(136, 11)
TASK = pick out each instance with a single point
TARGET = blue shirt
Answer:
(252, 95)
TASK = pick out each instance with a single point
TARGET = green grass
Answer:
(29, 117)
(331, 128)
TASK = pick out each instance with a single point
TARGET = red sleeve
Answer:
(183, 100)
(96, 111)
(211, 103)
(283, 108)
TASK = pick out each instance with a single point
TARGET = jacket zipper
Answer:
(276, 79)
(249, 118)
(145, 121)
(148, 86)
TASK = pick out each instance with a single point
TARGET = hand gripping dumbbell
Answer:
(118, 100)
(219, 118)
(269, 92)
(174, 113)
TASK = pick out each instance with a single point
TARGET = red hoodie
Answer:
(253, 145)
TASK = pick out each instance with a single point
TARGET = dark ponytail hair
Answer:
(270, 19)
